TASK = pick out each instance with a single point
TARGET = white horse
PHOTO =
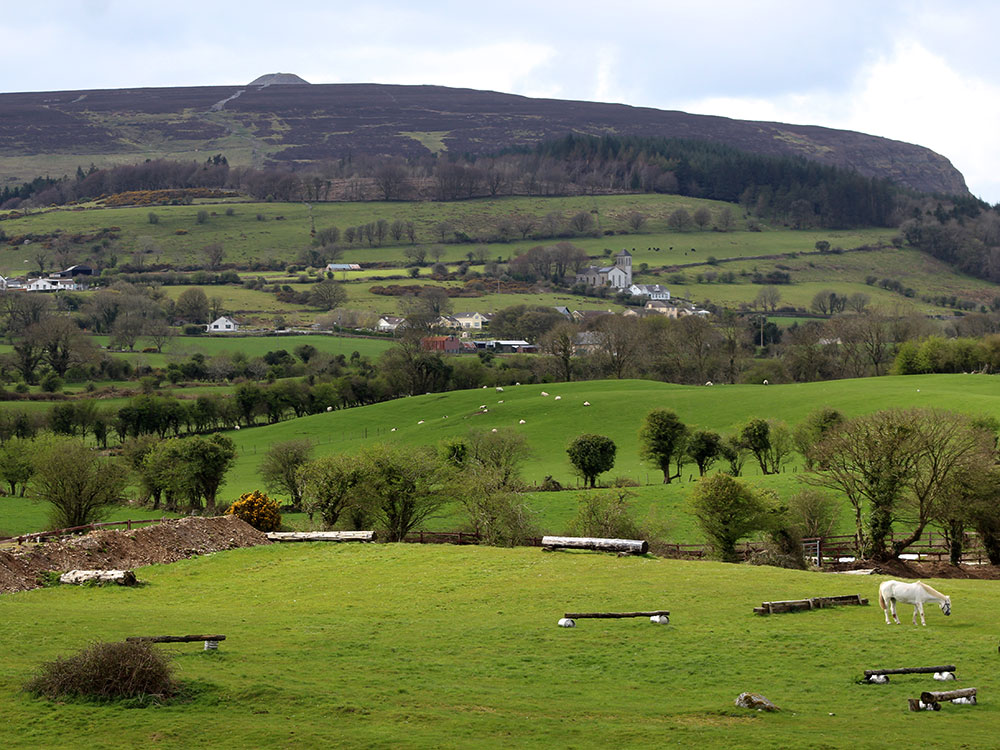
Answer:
(916, 593)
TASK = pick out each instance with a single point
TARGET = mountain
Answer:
(296, 123)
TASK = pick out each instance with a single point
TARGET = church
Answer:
(618, 276)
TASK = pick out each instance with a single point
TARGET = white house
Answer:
(333, 267)
(389, 323)
(225, 324)
(50, 285)
(471, 320)
(650, 291)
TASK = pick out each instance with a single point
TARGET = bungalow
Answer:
(652, 291)
(225, 324)
(389, 323)
(50, 285)
(333, 267)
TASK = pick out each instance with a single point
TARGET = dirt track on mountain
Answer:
(21, 567)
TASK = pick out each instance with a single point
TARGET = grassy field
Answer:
(429, 646)
(617, 410)
(20, 515)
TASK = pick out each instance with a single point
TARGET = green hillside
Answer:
(617, 410)
(421, 646)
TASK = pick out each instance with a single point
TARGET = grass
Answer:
(20, 515)
(617, 410)
(420, 646)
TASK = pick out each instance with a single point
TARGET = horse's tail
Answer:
(881, 599)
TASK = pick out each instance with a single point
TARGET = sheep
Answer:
(393, 429)
(500, 401)
(237, 427)
(521, 422)
(482, 406)
(420, 422)
(544, 393)
(494, 429)
(586, 403)
(517, 384)
(765, 382)
(499, 389)
(709, 383)
(558, 398)
(329, 408)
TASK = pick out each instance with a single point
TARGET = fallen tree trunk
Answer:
(584, 615)
(174, 638)
(120, 577)
(321, 536)
(947, 695)
(631, 546)
(911, 670)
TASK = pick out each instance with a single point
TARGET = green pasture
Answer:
(182, 347)
(440, 646)
(617, 409)
(246, 239)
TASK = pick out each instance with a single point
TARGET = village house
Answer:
(51, 285)
(507, 346)
(664, 308)
(389, 323)
(472, 321)
(334, 267)
(225, 324)
(652, 291)
(617, 276)
(72, 272)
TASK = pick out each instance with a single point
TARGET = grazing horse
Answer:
(916, 593)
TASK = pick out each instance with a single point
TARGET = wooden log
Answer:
(174, 638)
(911, 670)
(930, 696)
(584, 615)
(632, 546)
(120, 577)
(321, 536)
(815, 602)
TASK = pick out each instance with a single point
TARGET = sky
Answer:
(916, 71)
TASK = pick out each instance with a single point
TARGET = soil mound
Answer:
(170, 541)
(920, 570)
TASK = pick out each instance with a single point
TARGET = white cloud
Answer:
(910, 94)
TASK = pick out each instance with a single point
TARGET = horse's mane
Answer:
(927, 588)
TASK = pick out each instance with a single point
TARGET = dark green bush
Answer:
(107, 671)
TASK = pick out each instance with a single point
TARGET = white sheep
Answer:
(517, 384)
(558, 398)
(521, 422)
(494, 429)
(544, 393)
(500, 401)
(237, 427)
(329, 408)
(709, 383)
(766, 383)
(420, 422)
(393, 429)
(586, 403)
(499, 389)
(482, 406)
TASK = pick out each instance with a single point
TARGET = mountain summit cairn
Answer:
(272, 79)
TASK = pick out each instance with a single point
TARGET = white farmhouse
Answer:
(650, 291)
(225, 324)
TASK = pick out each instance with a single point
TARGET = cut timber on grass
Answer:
(120, 577)
(631, 546)
(816, 602)
(909, 670)
(947, 695)
(174, 638)
(615, 615)
(321, 536)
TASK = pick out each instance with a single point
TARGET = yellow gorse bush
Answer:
(258, 510)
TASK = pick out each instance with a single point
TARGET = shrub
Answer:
(51, 383)
(107, 671)
(202, 217)
(258, 510)
(605, 515)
